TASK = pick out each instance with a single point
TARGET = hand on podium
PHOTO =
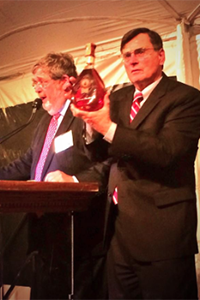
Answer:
(59, 176)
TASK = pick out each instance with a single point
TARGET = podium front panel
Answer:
(31, 196)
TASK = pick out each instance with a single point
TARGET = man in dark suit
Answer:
(151, 254)
(67, 160)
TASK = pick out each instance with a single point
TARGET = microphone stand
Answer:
(36, 105)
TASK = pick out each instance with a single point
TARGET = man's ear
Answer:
(68, 82)
(161, 56)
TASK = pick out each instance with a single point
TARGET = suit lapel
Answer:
(151, 102)
(121, 108)
(66, 122)
(42, 131)
(64, 127)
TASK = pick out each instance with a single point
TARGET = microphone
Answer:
(37, 103)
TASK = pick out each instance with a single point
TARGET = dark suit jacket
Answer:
(154, 170)
(87, 164)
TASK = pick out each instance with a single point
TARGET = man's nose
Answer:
(38, 88)
(133, 58)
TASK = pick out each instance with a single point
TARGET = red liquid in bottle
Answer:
(89, 90)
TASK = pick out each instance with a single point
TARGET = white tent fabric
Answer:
(30, 28)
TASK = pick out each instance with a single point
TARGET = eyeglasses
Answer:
(41, 84)
(138, 53)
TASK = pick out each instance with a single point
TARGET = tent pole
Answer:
(183, 61)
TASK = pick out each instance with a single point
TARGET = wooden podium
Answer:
(47, 197)
(31, 196)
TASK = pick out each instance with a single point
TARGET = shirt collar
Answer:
(65, 107)
(147, 91)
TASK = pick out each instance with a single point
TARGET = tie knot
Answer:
(135, 107)
(56, 116)
(138, 97)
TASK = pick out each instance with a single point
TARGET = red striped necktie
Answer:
(135, 107)
(53, 125)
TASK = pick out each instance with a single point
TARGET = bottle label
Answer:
(89, 91)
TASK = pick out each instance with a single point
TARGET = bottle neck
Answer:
(89, 62)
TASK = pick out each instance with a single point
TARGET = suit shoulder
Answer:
(121, 89)
(183, 86)
(120, 86)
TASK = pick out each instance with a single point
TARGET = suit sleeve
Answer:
(170, 131)
(99, 164)
(99, 172)
(19, 169)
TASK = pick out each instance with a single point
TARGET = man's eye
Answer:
(139, 51)
(127, 54)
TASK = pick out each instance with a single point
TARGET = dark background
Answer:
(13, 226)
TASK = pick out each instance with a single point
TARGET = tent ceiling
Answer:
(31, 28)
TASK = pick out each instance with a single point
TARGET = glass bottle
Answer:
(89, 89)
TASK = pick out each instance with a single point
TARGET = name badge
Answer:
(63, 142)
